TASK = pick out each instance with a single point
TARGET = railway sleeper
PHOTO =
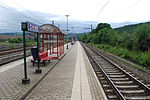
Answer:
(106, 85)
(148, 85)
(119, 79)
(104, 81)
(101, 78)
(99, 75)
(137, 95)
(138, 98)
(110, 68)
(132, 91)
(109, 90)
(118, 73)
(127, 86)
(117, 76)
(112, 97)
(110, 71)
(124, 82)
(98, 72)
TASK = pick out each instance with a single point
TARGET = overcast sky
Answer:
(110, 11)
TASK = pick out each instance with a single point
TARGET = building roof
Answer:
(49, 28)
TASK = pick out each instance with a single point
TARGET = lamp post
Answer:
(67, 29)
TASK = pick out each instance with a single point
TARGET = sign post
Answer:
(27, 26)
(25, 80)
(38, 70)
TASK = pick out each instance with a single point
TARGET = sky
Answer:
(80, 11)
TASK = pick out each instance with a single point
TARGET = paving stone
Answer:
(11, 87)
(57, 85)
(95, 90)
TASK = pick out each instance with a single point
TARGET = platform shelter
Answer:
(52, 39)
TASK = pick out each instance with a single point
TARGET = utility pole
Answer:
(67, 29)
(58, 25)
(91, 27)
(53, 22)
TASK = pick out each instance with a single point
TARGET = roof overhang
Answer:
(50, 29)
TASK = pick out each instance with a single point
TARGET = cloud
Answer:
(11, 20)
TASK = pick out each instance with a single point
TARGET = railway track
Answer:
(12, 55)
(117, 83)
(5, 52)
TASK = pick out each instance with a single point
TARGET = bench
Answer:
(42, 56)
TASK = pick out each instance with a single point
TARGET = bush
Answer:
(136, 57)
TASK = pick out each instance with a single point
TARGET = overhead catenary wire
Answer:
(25, 10)
(127, 9)
(102, 8)
(19, 13)
(130, 7)
(13, 24)
(6, 22)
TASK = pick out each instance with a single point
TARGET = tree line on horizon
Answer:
(133, 37)
(132, 44)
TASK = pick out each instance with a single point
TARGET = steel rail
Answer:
(118, 93)
(129, 75)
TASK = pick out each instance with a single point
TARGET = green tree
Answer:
(101, 26)
(143, 36)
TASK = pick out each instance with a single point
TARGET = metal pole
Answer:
(24, 50)
(25, 80)
(67, 29)
(52, 22)
(38, 70)
(38, 50)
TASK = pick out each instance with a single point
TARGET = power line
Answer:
(12, 10)
(6, 22)
(25, 10)
(102, 8)
(9, 26)
(131, 7)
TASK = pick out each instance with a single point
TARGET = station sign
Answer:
(31, 27)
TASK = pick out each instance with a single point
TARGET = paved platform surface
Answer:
(71, 79)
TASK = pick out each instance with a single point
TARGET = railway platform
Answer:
(71, 78)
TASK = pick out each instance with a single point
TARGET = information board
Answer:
(32, 27)
(28, 26)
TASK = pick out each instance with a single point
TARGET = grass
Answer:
(141, 58)
(6, 43)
